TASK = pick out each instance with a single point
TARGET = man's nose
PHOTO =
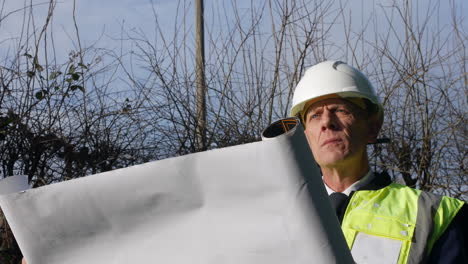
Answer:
(328, 120)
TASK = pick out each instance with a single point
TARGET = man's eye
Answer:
(343, 111)
(314, 116)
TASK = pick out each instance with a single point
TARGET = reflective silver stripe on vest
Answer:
(428, 204)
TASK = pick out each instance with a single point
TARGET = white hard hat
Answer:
(334, 78)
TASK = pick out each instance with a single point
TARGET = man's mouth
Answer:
(331, 141)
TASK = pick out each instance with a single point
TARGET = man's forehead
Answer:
(338, 101)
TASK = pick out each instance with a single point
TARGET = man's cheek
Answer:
(308, 137)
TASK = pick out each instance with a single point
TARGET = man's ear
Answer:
(375, 124)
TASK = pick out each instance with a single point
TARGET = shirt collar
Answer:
(355, 186)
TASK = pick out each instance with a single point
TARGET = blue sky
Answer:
(106, 20)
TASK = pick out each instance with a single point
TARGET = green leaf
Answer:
(74, 87)
(126, 109)
(82, 66)
(54, 75)
(75, 76)
(39, 67)
(30, 74)
(40, 95)
(71, 69)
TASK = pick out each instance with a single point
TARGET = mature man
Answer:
(382, 222)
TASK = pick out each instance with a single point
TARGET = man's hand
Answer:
(23, 261)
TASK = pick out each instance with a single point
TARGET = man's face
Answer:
(338, 132)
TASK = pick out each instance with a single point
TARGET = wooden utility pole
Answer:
(201, 84)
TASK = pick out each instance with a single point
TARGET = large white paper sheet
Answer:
(257, 203)
(14, 184)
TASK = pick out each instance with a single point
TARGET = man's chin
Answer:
(332, 161)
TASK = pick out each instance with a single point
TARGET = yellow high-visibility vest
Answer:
(411, 218)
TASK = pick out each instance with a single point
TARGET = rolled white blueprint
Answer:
(13, 184)
(256, 203)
